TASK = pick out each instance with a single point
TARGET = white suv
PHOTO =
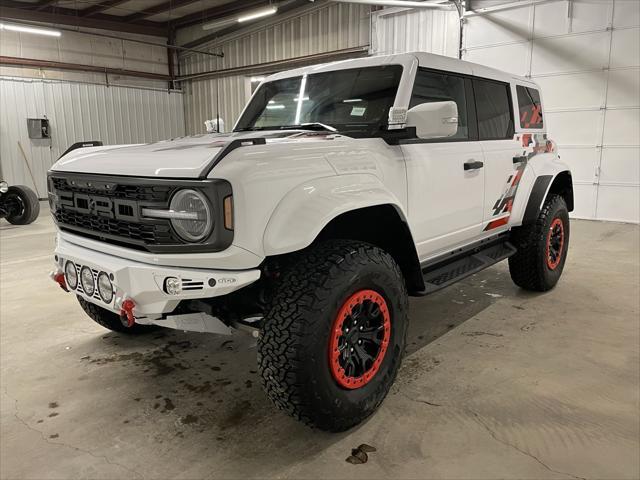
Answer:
(343, 189)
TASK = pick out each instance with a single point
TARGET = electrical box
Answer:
(38, 128)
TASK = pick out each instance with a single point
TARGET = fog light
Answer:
(173, 285)
(86, 279)
(71, 274)
(105, 288)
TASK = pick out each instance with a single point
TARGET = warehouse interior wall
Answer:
(80, 105)
(77, 112)
(266, 47)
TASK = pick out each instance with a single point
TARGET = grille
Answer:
(134, 233)
(153, 234)
(145, 193)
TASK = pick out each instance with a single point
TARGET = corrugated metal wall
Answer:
(324, 28)
(397, 30)
(86, 49)
(77, 112)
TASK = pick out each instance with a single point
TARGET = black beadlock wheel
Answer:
(22, 205)
(112, 321)
(333, 339)
(542, 248)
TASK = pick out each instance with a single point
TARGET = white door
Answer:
(445, 177)
(445, 200)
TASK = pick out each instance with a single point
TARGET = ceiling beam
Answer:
(163, 7)
(216, 12)
(67, 16)
(100, 7)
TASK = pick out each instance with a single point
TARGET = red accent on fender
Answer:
(554, 264)
(126, 310)
(497, 223)
(58, 277)
(337, 371)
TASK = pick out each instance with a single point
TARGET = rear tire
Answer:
(26, 205)
(542, 248)
(111, 321)
(303, 346)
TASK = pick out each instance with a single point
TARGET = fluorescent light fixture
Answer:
(352, 100)
(275, 107)
(24, 29)
(258, 14)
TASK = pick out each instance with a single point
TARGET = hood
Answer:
(184, 157)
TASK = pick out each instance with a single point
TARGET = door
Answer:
(501, 152)
(445, 177)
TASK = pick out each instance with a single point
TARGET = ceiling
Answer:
(151, 17)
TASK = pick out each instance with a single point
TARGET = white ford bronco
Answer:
(343, 189)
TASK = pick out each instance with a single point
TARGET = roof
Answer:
(424, 59)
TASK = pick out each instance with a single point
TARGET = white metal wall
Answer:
(397, 30)
(86, 49)
(323, 28)
(585, 54)
(77, 112)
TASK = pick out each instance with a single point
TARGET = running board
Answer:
(446, 273)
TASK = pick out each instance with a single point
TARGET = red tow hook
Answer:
(126, 311)
(58, 277)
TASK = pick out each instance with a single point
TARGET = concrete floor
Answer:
(498, 383)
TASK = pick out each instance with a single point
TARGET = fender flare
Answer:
(539, 192)
(309, 207)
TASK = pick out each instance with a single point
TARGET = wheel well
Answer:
(563, 185)
(384, 227)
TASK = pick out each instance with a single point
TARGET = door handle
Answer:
(473, 165)
(519, 159)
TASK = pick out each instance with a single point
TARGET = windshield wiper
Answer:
(309, 126)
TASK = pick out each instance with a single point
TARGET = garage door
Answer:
(585, 54)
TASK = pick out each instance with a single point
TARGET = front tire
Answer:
(334, 337)
(111, 321)
(24, 205)
(542, 248)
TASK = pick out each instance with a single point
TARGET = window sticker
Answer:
(358, 111)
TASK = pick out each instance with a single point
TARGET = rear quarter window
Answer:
(529, 107)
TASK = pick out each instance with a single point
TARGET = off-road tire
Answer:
(293, 348)
(111, 321)
(30, 205)
(528, 267)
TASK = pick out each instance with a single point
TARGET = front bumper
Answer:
(144, 283)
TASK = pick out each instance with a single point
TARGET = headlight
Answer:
(196, 222)
(71, 275)
(4, 187)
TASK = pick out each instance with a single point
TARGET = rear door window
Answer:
(493, 106)
(529, 107)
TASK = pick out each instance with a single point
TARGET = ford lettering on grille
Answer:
(114, 208)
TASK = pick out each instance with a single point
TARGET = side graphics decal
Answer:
(533, 143)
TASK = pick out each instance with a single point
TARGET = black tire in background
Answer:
(111, 321)
(26, 206)
(298, 373)
(542, 247)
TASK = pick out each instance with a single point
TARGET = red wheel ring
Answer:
(555, 243)
(370, 342)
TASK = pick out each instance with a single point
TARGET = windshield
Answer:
(356, 99)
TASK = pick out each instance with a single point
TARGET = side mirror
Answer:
(434, 120)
